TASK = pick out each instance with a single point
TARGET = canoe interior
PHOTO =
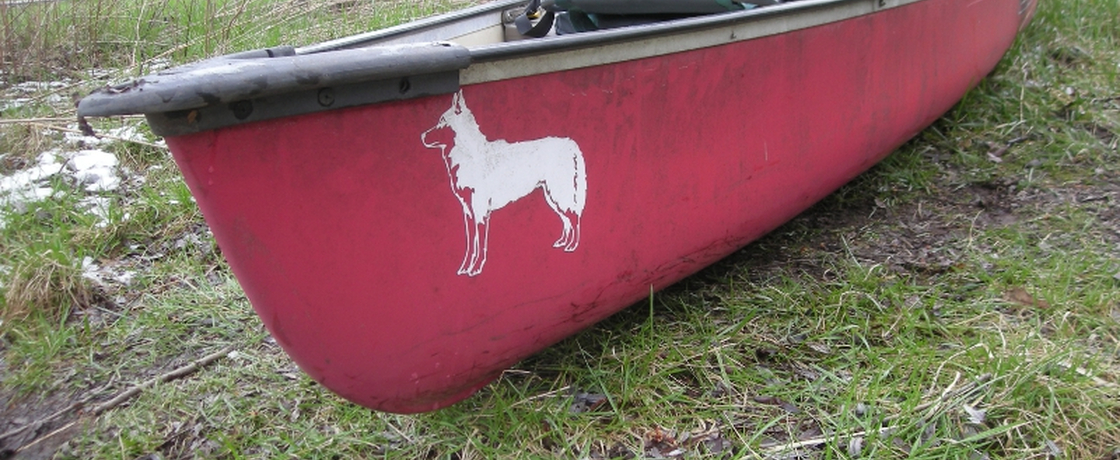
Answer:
(475, 27)
(493, 24)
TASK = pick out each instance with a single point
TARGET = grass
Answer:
(960, 300)
(41, 39)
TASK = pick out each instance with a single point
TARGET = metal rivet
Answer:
(241, 109)
(326, 97)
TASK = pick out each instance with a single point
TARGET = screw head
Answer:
(326, 97)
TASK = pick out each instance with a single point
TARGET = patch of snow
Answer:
(95, 170)
(13, 102)
(125, 277)
(105, 275)
(31, 184)
(99, 207)
(85, 162)
(158, 64)
(126, 132)
(21, 94)
(37, 86)
(89, 269)
(100, 74)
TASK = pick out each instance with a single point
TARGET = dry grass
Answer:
(18, 146)
(43, 279)
(69, 37)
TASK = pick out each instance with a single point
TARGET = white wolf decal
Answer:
(487, 175)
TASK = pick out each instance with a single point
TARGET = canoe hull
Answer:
(405, 253)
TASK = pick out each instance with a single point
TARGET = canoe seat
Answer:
(572, 16)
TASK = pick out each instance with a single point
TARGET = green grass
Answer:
(42, 39)
(943, 305)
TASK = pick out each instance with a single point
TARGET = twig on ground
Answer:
(825, 438)
(115, 138)
(122, 397)
(948, 395)
(548, 394)
(46, 122)
(177, 373)
(60, 412)
(47, 436)
(16, 121)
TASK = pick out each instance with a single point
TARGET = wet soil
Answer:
(926, 235)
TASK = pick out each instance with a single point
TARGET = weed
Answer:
(18, 144)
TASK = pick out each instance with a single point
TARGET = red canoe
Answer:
(413, 210)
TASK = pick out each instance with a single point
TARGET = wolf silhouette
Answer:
(488, 175)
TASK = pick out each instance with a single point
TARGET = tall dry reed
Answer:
(48, 38)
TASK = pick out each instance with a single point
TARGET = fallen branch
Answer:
(43, 421)
(47, 436)
(47, 122)
(105, 136)
(119, 399)
(813, 442)
(549, 394)
(177, 373)
(17, 121)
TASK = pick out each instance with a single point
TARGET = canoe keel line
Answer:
(584, 170)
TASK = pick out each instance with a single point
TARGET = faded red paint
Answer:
(343, 230)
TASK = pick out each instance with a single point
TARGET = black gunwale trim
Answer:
(264, 73)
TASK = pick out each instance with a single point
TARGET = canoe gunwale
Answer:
(371, 68)
(214, 116)
(552, 54)
(501, 51)
(419, 25)
(269, 72)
